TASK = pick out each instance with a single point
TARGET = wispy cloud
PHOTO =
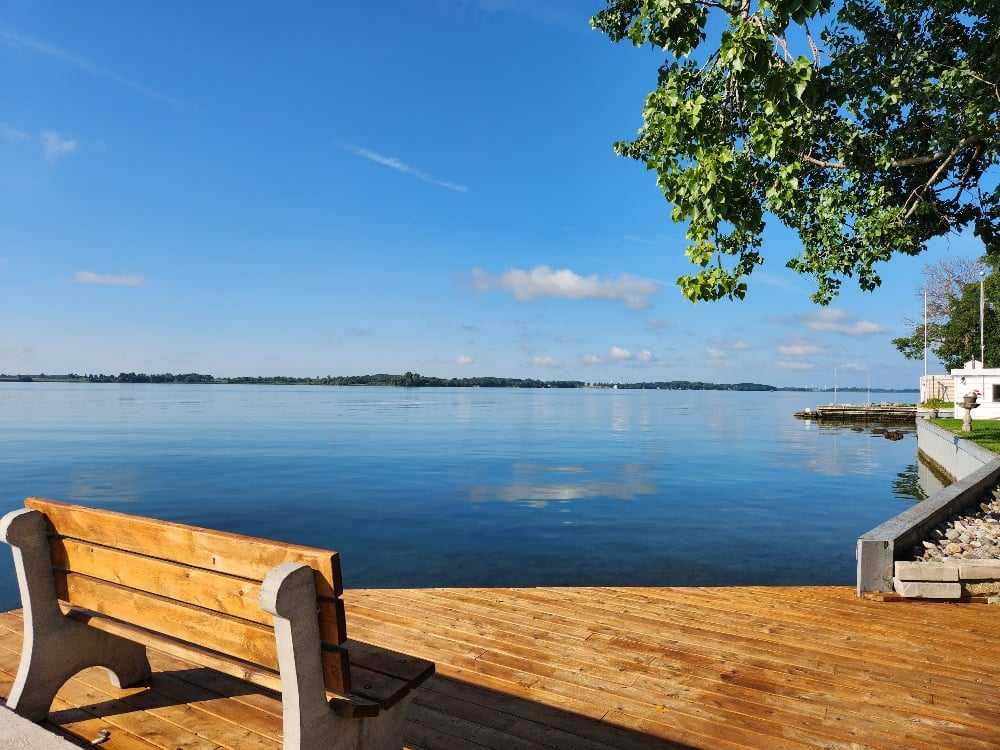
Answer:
(645, 356)
(558, 13)
(543, 360)
(462, 360)
(840, 321)
(799, 348)
(400, 166)
(657, 325)
(619, 354)
(109, 279)
(795, 364)
(12, 135)
(543, 281)
(56, 146)
(720, 351)
(779, 282)
(591, 359)
(37, 46)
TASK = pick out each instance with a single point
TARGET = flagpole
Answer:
(925, 333)
(982, 324)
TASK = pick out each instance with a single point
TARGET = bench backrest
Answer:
(196, 585)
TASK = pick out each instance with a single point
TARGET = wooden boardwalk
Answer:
(591, 669)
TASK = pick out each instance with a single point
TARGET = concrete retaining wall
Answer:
(950, 452)
(977, 472)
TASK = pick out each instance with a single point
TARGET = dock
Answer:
(597, 668)
(860, 413)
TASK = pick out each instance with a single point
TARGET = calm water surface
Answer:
(472, 487)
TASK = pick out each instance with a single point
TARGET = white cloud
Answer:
(646, 356)
(853, 367)
(55, 146)
(591, 359)
(795, 364)
(463, 359)
(11, 134)
(400, 166)
(618, 354)
(799, 349)
(719, 352)
(718, 357)
(40, 47)
(544, 361)
(104, 279)
(543, 281)
(840, 321)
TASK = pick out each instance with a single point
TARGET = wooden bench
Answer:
(97, 587)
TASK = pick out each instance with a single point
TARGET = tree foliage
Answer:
(953, 316)
(866, 127)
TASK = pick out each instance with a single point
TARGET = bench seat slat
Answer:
(376, 691)
(242, 639)
(219, 592)
(346, 705)
(223, 552)
(410, 669)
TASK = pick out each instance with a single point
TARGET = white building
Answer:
(985, 381)
(937, 386)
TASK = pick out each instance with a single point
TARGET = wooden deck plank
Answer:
(622, 668)
(805, 652)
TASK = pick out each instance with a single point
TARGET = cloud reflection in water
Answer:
(539, 485)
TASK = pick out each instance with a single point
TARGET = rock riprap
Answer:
(971, 536)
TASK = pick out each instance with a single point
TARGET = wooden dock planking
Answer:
(594, 668)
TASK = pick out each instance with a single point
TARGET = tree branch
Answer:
(920, 192)
(913, 161)
(917, 161)
(821, 163)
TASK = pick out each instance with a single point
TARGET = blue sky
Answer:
(357, 187)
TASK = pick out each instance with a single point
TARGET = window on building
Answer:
(996, 391)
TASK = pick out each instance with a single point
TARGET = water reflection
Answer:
(908, 484)
(538, 485)
(474, 487)
(840, 449)
(101, 484)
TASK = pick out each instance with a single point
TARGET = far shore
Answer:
(415, 380)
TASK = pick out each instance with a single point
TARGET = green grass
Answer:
(937, 403)
(984, 432)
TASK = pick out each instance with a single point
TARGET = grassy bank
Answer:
(984, 432)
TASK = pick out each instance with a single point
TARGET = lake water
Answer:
(472, 487)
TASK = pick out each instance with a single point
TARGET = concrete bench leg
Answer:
(56, 647)
(309, 723)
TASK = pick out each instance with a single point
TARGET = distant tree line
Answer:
(690, 385)
(141, 377)
(411, 380)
